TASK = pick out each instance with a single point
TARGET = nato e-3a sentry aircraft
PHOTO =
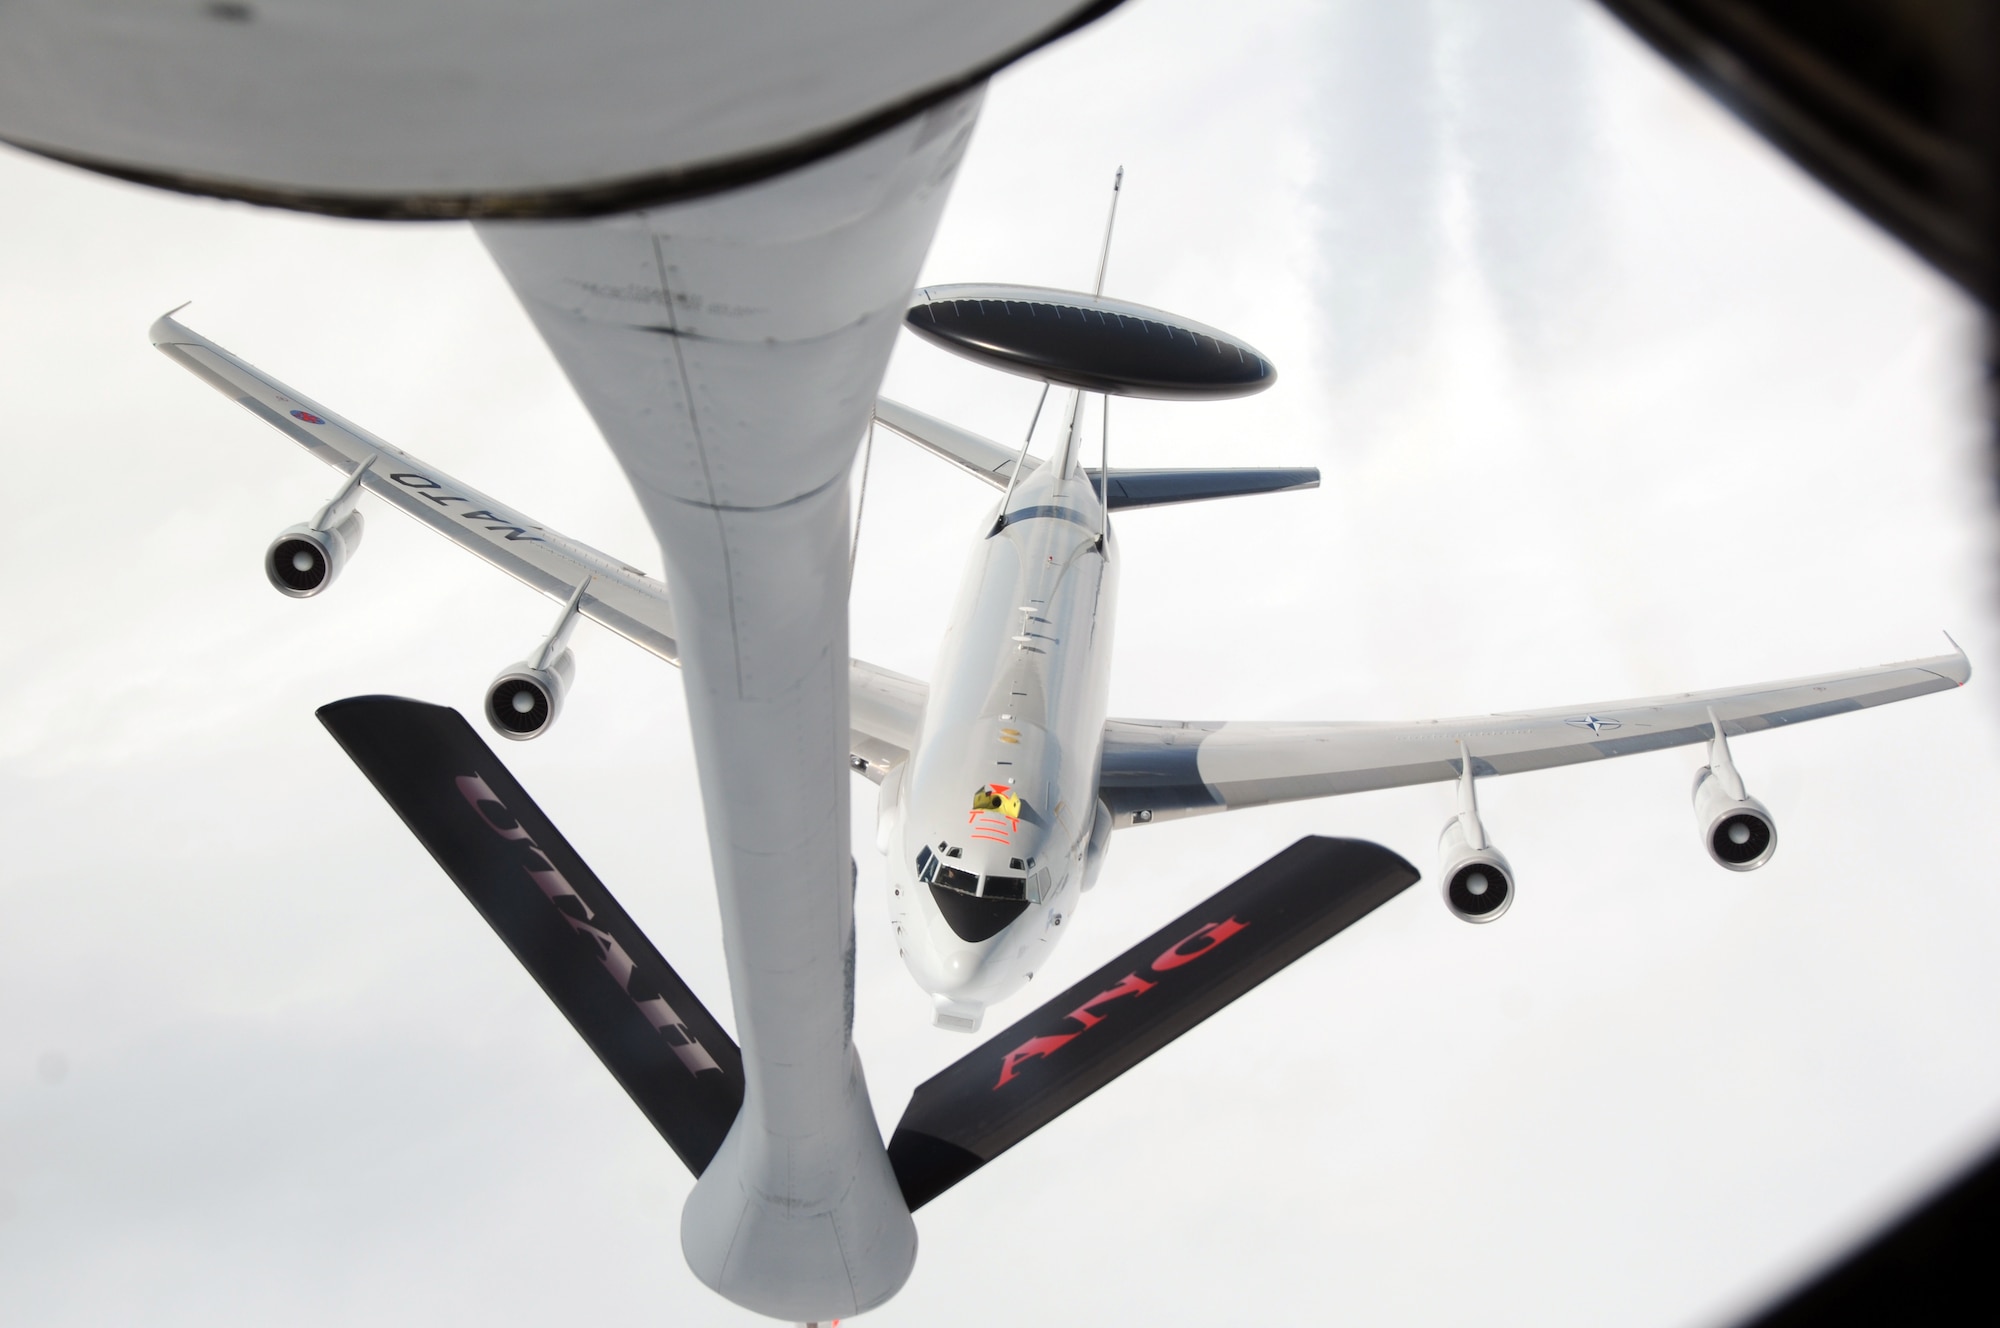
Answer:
(1003, 779)
(716, 234)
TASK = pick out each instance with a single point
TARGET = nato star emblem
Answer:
(1593, 723)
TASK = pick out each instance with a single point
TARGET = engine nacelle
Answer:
(1478, 882)
(1738, 831)
(304, 559)
(523, 701)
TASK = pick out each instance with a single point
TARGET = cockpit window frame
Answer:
(1009, 887)
(948, 877)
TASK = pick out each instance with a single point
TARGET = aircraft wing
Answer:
(1160, 769)
(885, 706)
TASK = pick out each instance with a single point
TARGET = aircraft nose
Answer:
(967, 967)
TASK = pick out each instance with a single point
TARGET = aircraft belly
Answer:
(1019, 693)
(1004, 774)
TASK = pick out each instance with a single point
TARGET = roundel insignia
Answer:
(307, 416)
(1593, 723)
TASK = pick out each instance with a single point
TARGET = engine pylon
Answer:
(304, 559)
(1478, 884)
(523, 700)
(1738, 831)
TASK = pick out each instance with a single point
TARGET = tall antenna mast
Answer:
(1104, 463)
(1104, 258)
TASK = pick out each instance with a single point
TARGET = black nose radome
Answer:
(976, 918)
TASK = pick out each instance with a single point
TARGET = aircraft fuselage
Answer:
(989, 828)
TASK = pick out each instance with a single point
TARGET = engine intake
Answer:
(1737, 830)
(1478, 882)
(524, 701)
(304, 560)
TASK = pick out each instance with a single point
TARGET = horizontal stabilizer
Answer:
(994, 464)
(684, 1072)
(1155, 488)
(965, 449)
(1010, 1086)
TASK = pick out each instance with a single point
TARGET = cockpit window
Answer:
(1006, 887)
(951, 878)
(972, 914)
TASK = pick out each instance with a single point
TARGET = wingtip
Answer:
(1963, 673)
(164, 329)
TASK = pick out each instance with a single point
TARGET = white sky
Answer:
(1609, 400)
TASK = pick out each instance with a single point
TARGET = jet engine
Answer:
(305, 558)
(524, 700)
(1478, 883)
(1736, 829)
